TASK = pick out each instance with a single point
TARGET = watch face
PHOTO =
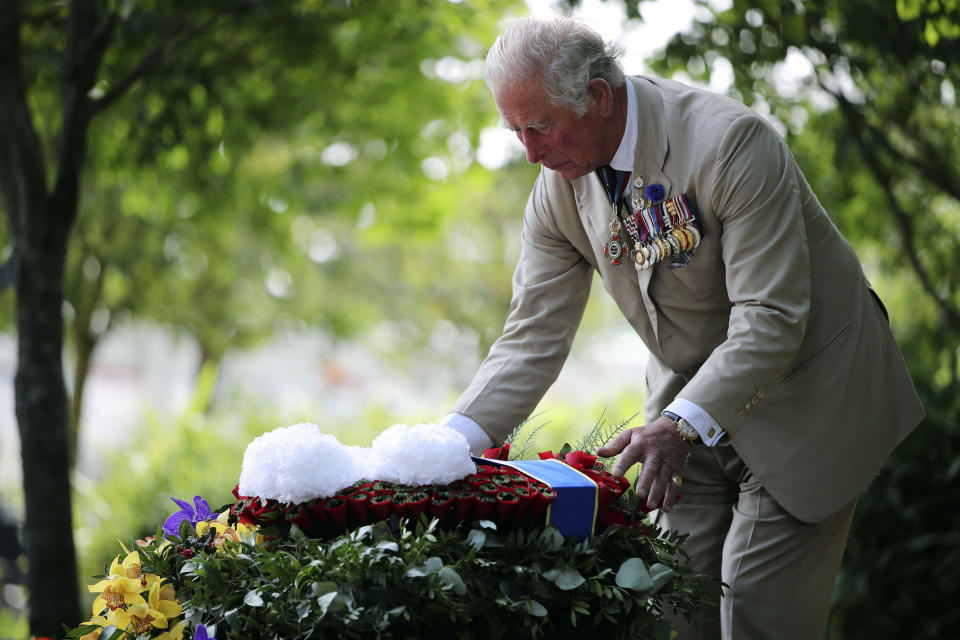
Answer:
(686, 430)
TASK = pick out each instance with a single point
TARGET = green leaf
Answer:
(112, 633)
(550, 536)
(233, 619)
(536, 609)
(633, 574)
(476, 538)
(325, 601)
(451, 578)
(433, 564)
(82, 630)
(253, 599)
(567, 579)
(320, 588)
(660, 575)
(303, 610)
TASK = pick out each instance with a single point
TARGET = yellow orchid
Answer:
(226, 533)
(131, 568)
(153, 613)
(167, 592)
(174, 633)
(117, 591)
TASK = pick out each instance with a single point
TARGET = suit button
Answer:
(747, 408)
(742, 415)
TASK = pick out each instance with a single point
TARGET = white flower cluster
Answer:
(299, 463)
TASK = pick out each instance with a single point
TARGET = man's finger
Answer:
(670, 498)
(648, 473)
(658, 487)
(629, 456)
(616, 445)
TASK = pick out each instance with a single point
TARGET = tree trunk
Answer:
(85, 342)
(42, 415)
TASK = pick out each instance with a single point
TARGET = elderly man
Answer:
(775, 390)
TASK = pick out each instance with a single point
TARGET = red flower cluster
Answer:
(496, 493)
(610, 510)
(502, 494)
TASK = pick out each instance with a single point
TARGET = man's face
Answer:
(554, 136)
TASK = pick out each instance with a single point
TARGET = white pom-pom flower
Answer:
(297, 463)
(418, 455)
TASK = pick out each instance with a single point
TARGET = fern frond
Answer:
(520, 449)
(601, 434)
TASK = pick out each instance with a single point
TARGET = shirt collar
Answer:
(623, 158)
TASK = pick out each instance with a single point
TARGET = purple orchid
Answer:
(201, 633)
(194, 513)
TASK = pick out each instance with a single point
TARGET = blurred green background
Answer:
(310, 214)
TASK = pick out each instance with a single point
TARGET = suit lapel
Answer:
(649, 158)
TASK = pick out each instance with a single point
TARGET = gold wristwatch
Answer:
(684, 428)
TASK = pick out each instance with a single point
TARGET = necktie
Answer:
(615, 183)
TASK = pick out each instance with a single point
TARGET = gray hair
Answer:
(563, 53)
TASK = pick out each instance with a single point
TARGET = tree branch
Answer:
(87, 41)
(21, 157)
(900, 216)
(169, 44)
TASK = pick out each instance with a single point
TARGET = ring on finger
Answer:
(676, 479)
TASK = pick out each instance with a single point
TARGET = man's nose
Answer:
(532, 145)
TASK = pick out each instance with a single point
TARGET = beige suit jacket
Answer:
(772, 327)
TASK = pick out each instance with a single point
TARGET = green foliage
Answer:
(601, 434)
(393, 581)
(275, 163)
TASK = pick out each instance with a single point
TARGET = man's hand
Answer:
(661, 450)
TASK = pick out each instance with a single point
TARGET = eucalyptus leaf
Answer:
(476, 538)
(320, 588)
(303, 610)
(512, 591)
(388, 545)
(487, 524)
(552, 537)
(325, 601)
(433, 564)
(253, 599)
(233, 619)
(660, 574)
(536, 609)
(633, 574)
(568, 579)
(450, 577)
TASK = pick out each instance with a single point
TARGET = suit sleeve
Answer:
(551, 285)
(756, 197)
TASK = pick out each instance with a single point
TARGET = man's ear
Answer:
(602, 95)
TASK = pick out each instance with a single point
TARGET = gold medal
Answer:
(639, 259)
(663, 248)
(674, 243)
(652, 254)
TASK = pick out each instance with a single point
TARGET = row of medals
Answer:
(674, 239)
